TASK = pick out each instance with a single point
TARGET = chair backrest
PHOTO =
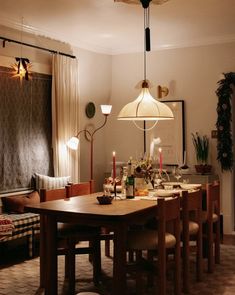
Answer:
(51, 195)
(168, 212)
(213, 198)
(78, 189)
(191, 204)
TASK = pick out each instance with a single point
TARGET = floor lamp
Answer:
(74, 141)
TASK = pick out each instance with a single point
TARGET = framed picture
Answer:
(168, 135)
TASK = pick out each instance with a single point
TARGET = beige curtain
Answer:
(65, 108)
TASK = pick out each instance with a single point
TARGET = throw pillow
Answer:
(16, 204)
(48, 182)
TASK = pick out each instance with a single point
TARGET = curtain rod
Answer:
(34, 46)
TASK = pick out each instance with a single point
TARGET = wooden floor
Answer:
(229, 239)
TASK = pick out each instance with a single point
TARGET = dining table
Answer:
(86, 210)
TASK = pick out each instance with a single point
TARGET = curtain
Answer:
(65, 108)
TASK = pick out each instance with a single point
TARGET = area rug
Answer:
(23, 277)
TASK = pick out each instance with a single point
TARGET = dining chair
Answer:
(211, 220)
(158, 242)
(83, 188)
(191, 230)
(69, 236)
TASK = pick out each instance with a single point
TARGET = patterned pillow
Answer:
(47, 182)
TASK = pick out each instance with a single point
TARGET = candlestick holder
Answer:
(115, 181)
(161, 176)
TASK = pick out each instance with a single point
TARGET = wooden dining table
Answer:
(86, 210)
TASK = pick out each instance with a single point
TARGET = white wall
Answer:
(95, 86)
(191, 74)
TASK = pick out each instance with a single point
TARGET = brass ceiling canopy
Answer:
(158, 2)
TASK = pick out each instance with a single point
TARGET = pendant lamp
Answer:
(145, 107)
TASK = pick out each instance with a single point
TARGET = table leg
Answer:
(51, 256)
(42, 251)
(119, 261)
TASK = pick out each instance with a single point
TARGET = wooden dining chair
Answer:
(191, 229)
(158, 243)
(85, 188)
(79, 189)
(211, 221)
(69, 235)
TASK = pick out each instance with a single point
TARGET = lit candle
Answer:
(160, 159)
(114, 165)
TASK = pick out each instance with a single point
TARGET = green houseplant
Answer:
(201, 145)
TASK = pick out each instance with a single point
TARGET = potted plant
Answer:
(201, 145)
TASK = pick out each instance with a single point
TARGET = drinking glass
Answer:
(177, 173)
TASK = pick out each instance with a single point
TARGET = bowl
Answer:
(105, 200)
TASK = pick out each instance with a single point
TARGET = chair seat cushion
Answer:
(215, 217)
(193, 227)
(147, 240)
(82, 232)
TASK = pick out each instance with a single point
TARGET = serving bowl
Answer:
(105, 200)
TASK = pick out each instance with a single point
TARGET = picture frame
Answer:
(171, 134)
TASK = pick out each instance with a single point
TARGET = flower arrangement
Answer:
(144, 169)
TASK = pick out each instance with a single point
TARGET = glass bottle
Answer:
(130, 181)
(130, 187)
(123, 181)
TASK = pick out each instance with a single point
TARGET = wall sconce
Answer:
(74, 141)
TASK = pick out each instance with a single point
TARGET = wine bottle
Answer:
(130, 187)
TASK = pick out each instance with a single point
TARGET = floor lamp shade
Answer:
(73, 143)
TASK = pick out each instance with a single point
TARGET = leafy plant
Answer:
(201, 145)
(225, 93)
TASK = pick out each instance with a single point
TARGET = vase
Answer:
(142, 187)
(203, 168)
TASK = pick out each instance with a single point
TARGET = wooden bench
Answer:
(26, 225)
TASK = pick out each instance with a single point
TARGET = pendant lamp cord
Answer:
(147, 46)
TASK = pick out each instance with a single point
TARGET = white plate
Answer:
(188, 186)
(164, 193)
(172, 183)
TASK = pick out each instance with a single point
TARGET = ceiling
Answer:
(113, 27)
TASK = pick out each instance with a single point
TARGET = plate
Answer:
(163, 193)
(188, 186)
(173, 184)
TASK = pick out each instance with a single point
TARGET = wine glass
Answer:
(177, 173)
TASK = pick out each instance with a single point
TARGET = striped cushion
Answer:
(47, 182)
